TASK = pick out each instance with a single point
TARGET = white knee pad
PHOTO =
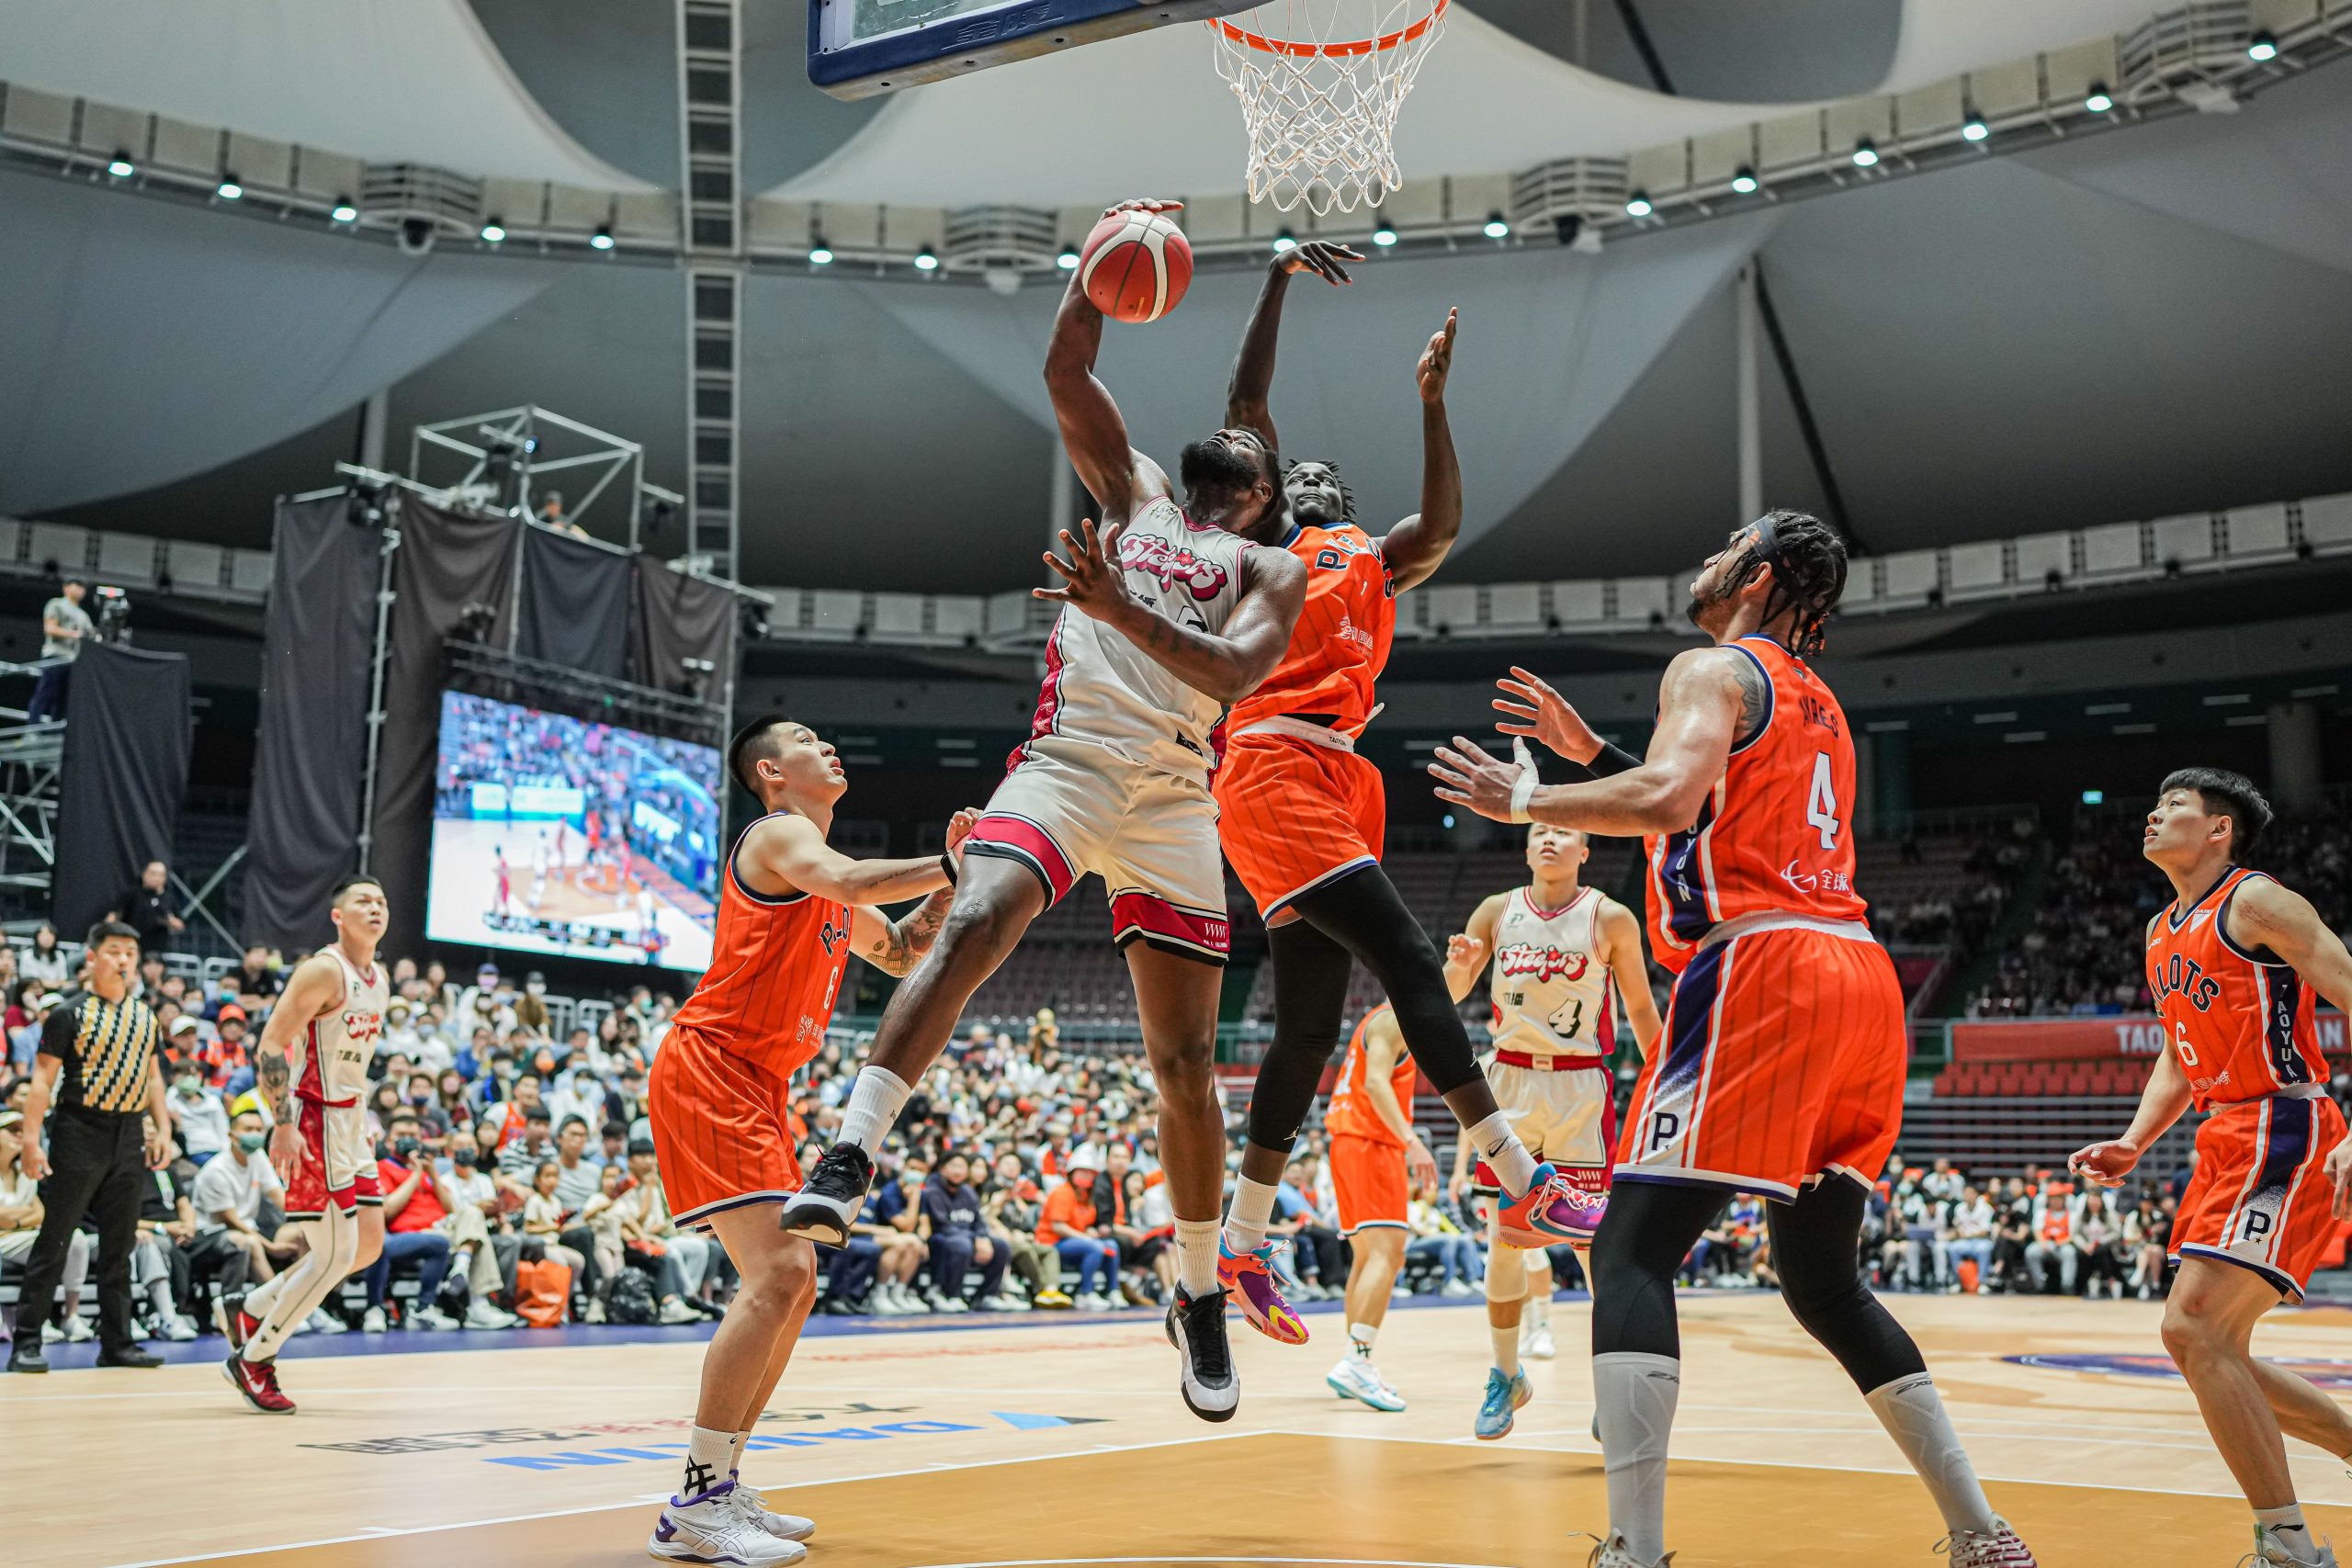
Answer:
(1506, 1273)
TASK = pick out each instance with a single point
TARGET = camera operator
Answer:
(64, 626)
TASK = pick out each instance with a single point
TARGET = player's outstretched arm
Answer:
(1530, 708)
(1468, 950)
(1226, 668)
(1621, 932)
(894, 947)
(2161, 1104)
(1706, 696)
(1253, 367)
(1094, 433)
(1417, 546)
(794, 858)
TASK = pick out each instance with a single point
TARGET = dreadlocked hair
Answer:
(1807, 560)
(1347, 496)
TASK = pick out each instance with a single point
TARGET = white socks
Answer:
(1506, 1348)
(1359, 1338)
(710, 1458)
(1245, 1223)
(735, 1452)
(1635, 1395)
(1504, 1154)
(1196, 1256)
(875, 1102)
(2286, 1525)
(1912, 1414)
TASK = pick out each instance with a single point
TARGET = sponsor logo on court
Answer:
(2327, 1371)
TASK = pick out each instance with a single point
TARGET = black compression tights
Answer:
(1359, 916)
(1649, 1230)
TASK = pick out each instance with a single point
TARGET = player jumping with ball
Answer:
(1168, 615)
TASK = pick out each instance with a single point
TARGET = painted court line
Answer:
(645, 1499)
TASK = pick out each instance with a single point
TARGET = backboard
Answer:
(858, 48)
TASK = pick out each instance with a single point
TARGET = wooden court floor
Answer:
(1062, 1443)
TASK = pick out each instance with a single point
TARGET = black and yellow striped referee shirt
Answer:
(109, 1049)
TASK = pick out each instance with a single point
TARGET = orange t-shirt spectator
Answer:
(1067, 1205)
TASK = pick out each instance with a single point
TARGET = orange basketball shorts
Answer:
(2259, 1199)
(722, 1128)
(1295, 815)
(1782, 1059)
(1368, 1178)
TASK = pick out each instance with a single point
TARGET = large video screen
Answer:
(556, 835)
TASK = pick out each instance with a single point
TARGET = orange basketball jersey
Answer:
(775, 965)
(1341, 644)
(1774, 835)
(2242, 1022)
(1351, 1113)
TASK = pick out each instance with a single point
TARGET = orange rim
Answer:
(1260, 42)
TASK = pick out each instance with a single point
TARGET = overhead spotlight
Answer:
(344, 212)
(493, 232)
(1068, 260)
(121, 167)
(1744, 181)
(1974, 128)
(926, 260)
(1638, 205)
(602, 239)
(1386, 235)
(1865, 153)
(1496, 228)
(228, 189)
(2096, 100)
(2262, 45)
(1285, 241)
(819, 252)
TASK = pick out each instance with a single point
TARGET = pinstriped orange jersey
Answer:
(1352, 1113)
(1341, 644)
(1775, 833)
(776, 966)
(2242, 1022)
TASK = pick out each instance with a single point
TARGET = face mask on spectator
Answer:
(252, 1142)
(186, 1083)
(463, 1158)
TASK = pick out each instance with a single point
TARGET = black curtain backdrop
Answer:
(312, 753)
(447, 560)
(127, 742)
(576, 599)
(680, 618)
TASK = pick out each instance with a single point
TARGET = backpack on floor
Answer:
(629, 1298)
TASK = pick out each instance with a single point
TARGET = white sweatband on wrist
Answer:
(1523, 790)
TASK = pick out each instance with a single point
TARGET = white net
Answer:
(1320, 82)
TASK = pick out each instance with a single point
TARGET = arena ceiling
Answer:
(2130, 324)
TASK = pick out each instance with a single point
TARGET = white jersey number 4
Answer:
(1821, 804)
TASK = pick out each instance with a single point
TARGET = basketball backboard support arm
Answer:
(859, 49)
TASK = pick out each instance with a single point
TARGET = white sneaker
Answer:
(756, 1513)
(712, 1529)
(484, 1314)
(1357, 1380)
(322, 1321)
(938, 1303)
(1536, 1345)
(372, 1321)
(77, 1329)
(431, 1317)
(1613, 1553)
(180, 1329)
(2002, 1548)
(674, 1311)
(1457, 1289)
(912, 1305)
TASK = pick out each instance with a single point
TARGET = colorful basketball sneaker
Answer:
(2002, 1548)
(712, 1529)
(1248, 1278)
(1552, 1211)
(1500, 1407)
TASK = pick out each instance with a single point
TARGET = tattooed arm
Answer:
(1226, 668)
(315, 989)
(894, 947)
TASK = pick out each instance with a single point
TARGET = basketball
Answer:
(1135, 266)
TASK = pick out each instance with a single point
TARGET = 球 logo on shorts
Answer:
(2327, 1371)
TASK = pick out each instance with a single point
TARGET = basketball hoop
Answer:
(1320, 82)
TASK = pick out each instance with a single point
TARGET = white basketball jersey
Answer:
(1100, 688)
(1550, 988)
(340, 1042)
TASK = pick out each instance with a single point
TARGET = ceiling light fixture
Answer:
(1638, 205)
(1744, 181)
(1497, 228)
(1865, 153)
(926, 260)
(2262, 45)
(819, 252)
(1068, 260)
(2098, 100)
(1974, 128)
(344, 212)
(1386, 234)
(493, 232)
(1284, 241)
(228, 189)
(121, 168)
(602, 239)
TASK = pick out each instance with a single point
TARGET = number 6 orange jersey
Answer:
(1775, 835)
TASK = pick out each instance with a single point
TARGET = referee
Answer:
(97, 1062)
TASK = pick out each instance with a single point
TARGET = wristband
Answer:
(1523, 789)
(1612, 758)
(947, 866)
